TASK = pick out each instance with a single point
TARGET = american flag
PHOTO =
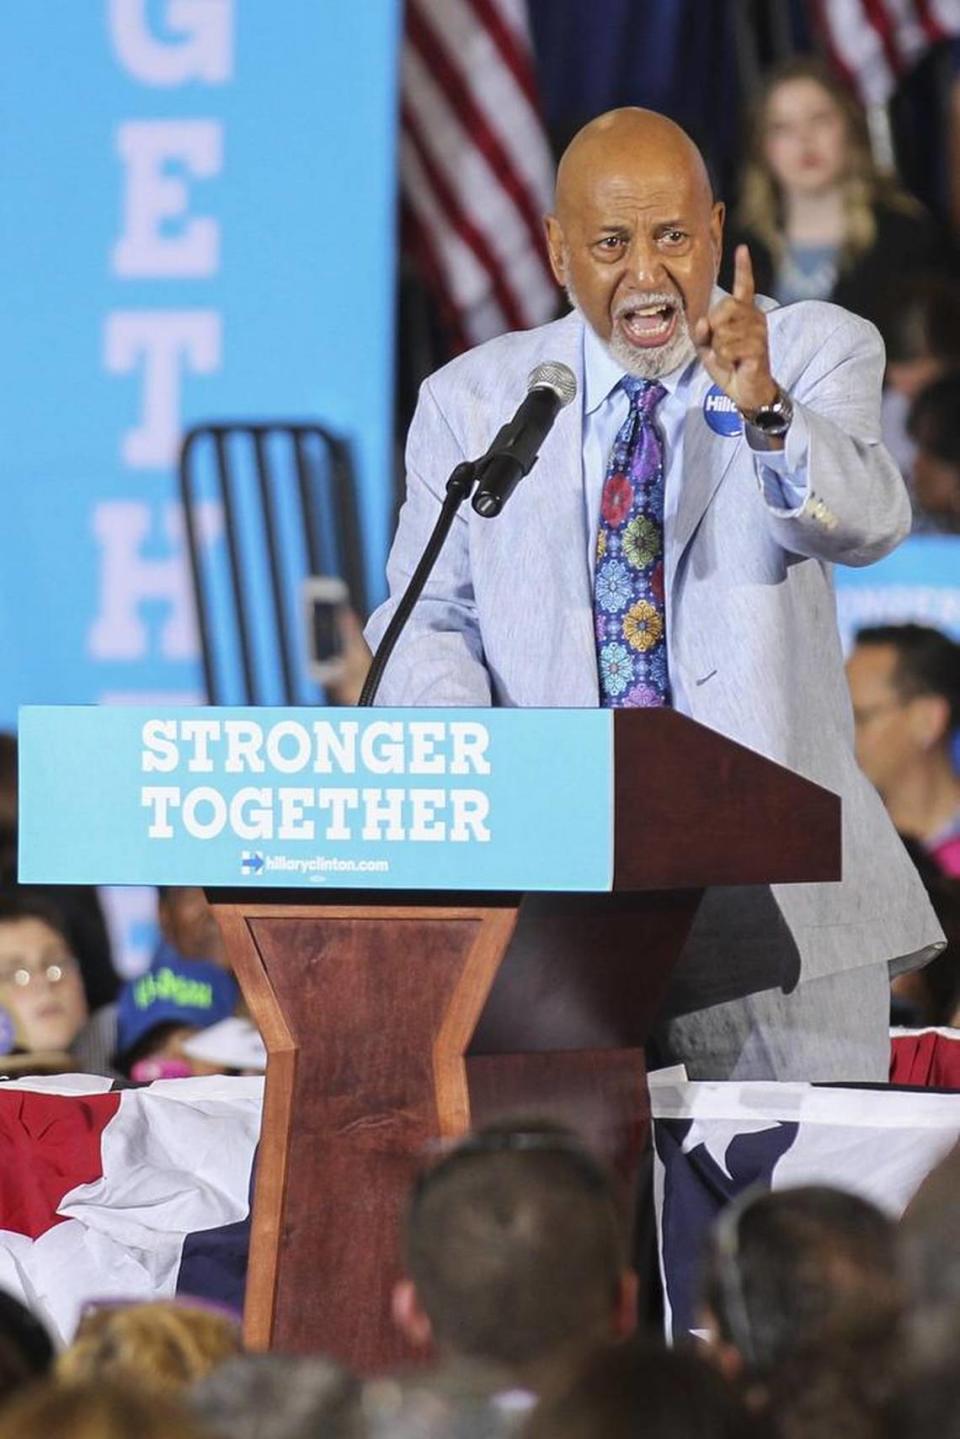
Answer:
(133, 1194)
(875, 42)
(476, 171)
(714, 1141)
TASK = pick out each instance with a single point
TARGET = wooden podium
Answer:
(399, 1020)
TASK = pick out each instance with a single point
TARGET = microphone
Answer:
(514, 452)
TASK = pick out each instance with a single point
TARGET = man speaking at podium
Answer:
(672, 546)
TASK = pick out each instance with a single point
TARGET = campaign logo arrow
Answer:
(251, 861)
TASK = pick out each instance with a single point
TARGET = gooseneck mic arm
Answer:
(459, 485)
(511, 456)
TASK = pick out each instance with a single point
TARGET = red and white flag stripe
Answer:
(475, 167)
(107, 1194)
(875, 42)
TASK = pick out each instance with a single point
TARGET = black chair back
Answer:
(285, 492)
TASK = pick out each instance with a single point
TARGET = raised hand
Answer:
(732, 342)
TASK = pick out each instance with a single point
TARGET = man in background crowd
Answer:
(905, 688)
(802, 1305)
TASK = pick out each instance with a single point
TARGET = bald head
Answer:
(621, 140)
(635, 237)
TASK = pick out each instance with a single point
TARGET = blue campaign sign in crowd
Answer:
(919, 583)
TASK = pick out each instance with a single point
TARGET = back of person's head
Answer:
(797, 1268)
(928, 1239)
(163, 1346)
(804, 1304)
(26, 1350)
(515, 1249)
(634, 1388)
(272, 1396)
(94, 1411)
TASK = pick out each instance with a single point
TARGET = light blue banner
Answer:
(919, 583)
(198, 224)
(383, 799)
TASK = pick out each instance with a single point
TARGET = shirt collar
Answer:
(602, 373)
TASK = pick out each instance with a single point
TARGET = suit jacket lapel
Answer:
(574, 640)
(706, 458)
(566, 438)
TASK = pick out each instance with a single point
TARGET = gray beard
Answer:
(646, 364)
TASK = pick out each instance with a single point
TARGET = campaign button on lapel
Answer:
(721, 414)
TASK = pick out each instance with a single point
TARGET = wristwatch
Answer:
(774, 419)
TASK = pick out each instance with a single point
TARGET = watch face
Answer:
(775, 419)
(772, 422)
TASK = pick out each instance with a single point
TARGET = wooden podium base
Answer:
(392, 1027)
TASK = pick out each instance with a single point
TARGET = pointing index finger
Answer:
(744, 288)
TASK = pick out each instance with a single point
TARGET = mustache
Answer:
(643, 300)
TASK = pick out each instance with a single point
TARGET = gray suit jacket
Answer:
(507, 617)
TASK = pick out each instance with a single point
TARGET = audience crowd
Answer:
(821, 1317)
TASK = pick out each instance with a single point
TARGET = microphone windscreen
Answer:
(552, 375)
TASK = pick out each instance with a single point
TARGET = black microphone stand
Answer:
(459, 486)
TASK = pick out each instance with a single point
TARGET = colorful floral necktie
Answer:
(628, 584)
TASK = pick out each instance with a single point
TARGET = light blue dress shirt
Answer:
(781, 474)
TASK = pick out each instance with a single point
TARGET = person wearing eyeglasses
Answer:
(905, 690)
(42, 995)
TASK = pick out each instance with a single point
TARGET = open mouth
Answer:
(648, 325)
